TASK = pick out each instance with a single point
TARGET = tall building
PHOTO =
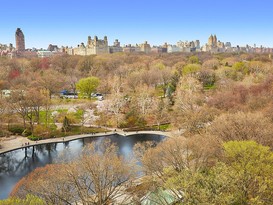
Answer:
(189, 46)
(214, 45)
(52, 47)
(116, 47)
(20, 40)
(97, 46)
(94, 47)
(215, 40)
(212, 41)
(131, 49)
(145, 47)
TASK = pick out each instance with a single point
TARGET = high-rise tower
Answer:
(214, 40)
(20, 40)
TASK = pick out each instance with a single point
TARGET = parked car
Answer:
(5, 93)
(69, 95)
(99, 96)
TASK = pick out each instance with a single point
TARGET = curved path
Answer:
(29, 143)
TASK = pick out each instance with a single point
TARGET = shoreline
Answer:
(19, 142)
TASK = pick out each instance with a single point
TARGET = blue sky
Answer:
(69, 22)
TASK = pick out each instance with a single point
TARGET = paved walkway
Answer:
(22, 142)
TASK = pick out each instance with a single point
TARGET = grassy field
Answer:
(73, 130)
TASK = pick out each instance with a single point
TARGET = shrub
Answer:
(241, 67)
(42, 131)
(4, 133)
(66, 125)
(56, 133)
(33, 137)
(133, 119)
(207, 77)
(194, 59)
(29, 199)
(26, 132)
(16, 129)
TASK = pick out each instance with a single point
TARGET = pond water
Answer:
(14, 165)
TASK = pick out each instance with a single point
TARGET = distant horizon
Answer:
(69, 23)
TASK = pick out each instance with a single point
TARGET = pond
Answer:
(14, 165)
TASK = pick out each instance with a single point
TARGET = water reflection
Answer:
(14, 165)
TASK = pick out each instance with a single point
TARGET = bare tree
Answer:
(160, 111)
(85, 114)
(177, 154)
(187, 94)
(52, 81)
(19, 104)
(144, 99)
(243, 126)
(98, 177)
(116, 99)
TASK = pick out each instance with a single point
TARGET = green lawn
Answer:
(73, 130)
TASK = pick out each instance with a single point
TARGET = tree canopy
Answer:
(87, 86)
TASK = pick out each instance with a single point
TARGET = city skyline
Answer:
(68, 23)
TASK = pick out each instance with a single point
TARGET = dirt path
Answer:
(7, 143)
